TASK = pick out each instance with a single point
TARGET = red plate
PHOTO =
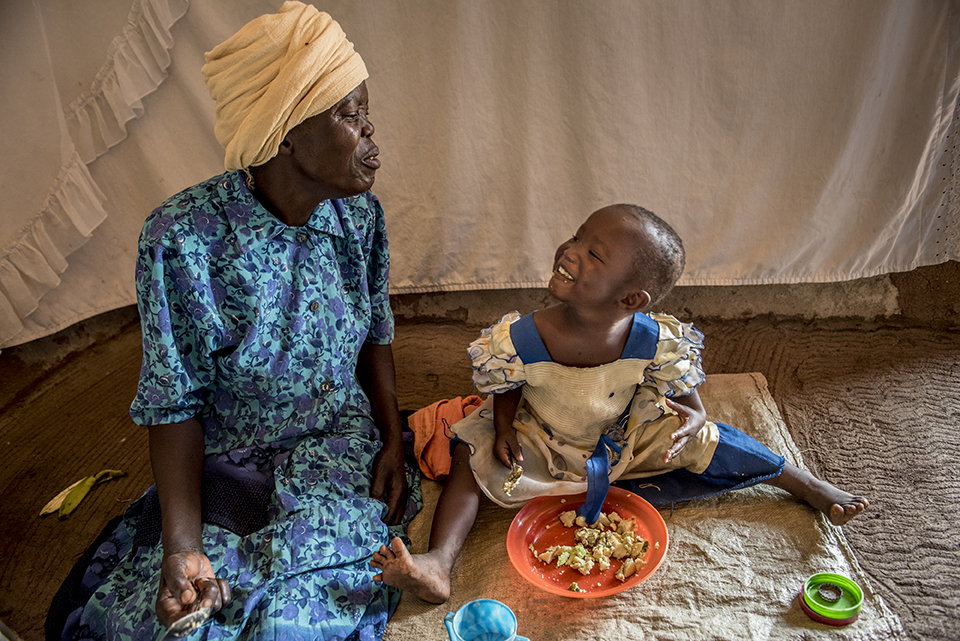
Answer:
(537, 523)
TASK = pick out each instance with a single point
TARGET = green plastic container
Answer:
(847, 606)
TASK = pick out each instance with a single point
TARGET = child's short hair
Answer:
(658, 271)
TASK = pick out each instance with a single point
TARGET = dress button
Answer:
(301, 238)
(314, 306)
(326, 386)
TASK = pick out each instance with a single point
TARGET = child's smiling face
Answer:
(597, 266)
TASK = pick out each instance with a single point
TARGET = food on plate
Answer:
(611, 537)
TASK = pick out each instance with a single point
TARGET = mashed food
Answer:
(512, 479)
(611, 537)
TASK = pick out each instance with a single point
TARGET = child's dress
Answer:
(564, 410)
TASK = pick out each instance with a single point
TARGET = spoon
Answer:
(188, 623)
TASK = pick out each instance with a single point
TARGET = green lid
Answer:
(833, 596)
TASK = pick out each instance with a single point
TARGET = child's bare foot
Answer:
(422, 574)
(837, 505)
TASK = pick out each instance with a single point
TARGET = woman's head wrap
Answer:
(273, 74)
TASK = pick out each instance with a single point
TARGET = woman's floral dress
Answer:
(254, 327)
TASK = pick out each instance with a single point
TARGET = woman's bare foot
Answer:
(837, 505)
(423, 574)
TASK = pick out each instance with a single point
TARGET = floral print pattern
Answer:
(255, 327)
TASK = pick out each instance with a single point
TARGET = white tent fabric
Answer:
(795, 141)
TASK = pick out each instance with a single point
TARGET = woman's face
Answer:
(334, 150)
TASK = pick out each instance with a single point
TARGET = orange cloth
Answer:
(431, 433)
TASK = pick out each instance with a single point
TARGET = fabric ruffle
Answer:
(137, 63)
(32, 265)
(496, 366)
(676, 370)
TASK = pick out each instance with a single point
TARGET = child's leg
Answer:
(741, 461)
(837, 505)
(428, 575)
(737, 452)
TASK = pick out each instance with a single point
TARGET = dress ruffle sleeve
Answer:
(496, 366)
(676, 369)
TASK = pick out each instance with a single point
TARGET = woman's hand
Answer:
(377, 376)
(187, 583)
(694, 418)
(390, 480)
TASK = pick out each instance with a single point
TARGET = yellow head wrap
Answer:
(273, 74)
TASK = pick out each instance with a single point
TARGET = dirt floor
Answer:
(874, 405)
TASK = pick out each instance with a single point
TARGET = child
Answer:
(592, 376)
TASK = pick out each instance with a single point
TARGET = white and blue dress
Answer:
(566, 411)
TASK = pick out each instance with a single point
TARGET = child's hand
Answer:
(694, 418)
(507, 448)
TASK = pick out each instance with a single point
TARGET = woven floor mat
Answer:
(734, 567)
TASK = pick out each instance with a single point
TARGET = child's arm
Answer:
(694, 418)
(506, 447)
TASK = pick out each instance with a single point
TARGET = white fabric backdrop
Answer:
(801, 141)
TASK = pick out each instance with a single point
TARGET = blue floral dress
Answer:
(254, 327)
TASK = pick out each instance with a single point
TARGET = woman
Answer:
(267, 377)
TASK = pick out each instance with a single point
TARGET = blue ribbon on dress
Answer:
(598, 479)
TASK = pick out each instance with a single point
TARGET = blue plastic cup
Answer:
(483, 620)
